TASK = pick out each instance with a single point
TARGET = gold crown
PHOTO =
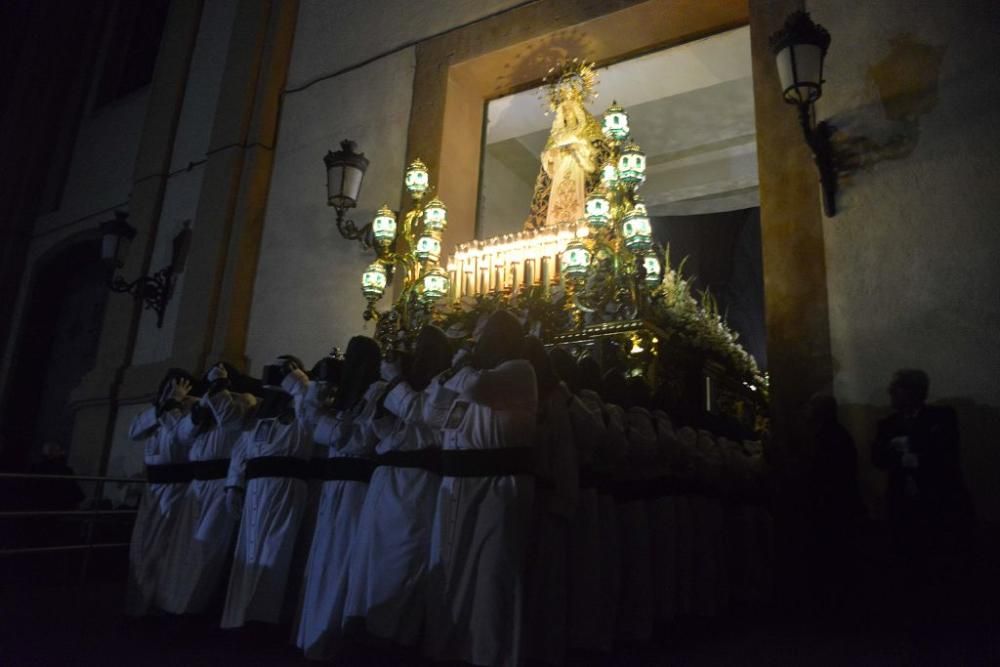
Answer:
(572, 80)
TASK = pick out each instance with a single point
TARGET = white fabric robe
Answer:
(687, 440)
(585, 563)
(272, 511)
(203, 535)
(327, 574)
(481, 524)
(635, 619)
(158, 508)
(663, 520)
(547, 576)
(389, 555)
(711, 588)
(610, 454)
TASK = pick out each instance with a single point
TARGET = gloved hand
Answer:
(300, 375)
(179, 389)
(391, 370)
(217, 372)
(234, 502)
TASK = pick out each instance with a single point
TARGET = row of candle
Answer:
(511, 262)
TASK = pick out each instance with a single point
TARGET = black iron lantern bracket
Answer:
(803, 90)
(350, 231)
(347, 159)
(817, 136)
(155, 290)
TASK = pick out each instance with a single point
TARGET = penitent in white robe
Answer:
(203, 535)
(481, 523)
(686, 469)
(585, 560)
(325, 581)
(272, 511)
(635, 618)
(662, 511)
(610, 455)
(158, 508)
(389, 555)
(556, 494)
(711, 586)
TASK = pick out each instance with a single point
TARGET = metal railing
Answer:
(90, 516)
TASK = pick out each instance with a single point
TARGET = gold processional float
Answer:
(585, 272)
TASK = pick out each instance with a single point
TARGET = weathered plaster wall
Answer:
(331, 36)
(187, 169)
(912, 256)
(307, 291)
(307, 294)
(100, 173)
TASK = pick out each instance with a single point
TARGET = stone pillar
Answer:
(795, 293)
(215, 305)
(98, 393)
(795, 290)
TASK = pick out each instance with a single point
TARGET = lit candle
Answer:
(545, 275)
(470, 287)
(452, 282)
(529, 270)
(514, 270)
(484, 280)
(498, 279)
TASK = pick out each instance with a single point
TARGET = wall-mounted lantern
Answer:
(154, 291)
(799, 49)
(345, 171)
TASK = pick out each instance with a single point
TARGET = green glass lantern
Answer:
(575, 260)
(384, 226)
(435, 216)
(373, 281)
(609, 175)
(615, 122)
(597, 209)
(636, 231)
(653, 268)
(632, 165)
(435, 285)
(417, 178)
(428, 248)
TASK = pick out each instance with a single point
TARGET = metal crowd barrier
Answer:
(90, 516)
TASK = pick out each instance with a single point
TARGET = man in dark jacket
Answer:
(917, 446)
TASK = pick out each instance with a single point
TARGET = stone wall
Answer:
(912, 255)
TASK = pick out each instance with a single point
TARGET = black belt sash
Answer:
(426, 459)
(347, 468)
(277, 466)
(488, 462)
(170, 473)
(211, 469)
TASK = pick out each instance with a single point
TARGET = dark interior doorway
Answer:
(57, 347)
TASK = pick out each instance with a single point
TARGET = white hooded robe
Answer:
(272, 511)
(481, 524)
(159, 507)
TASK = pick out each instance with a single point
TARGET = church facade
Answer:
(246, 96)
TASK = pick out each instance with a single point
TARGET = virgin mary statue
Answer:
(572, 152)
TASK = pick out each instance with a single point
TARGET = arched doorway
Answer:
(56, 347)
